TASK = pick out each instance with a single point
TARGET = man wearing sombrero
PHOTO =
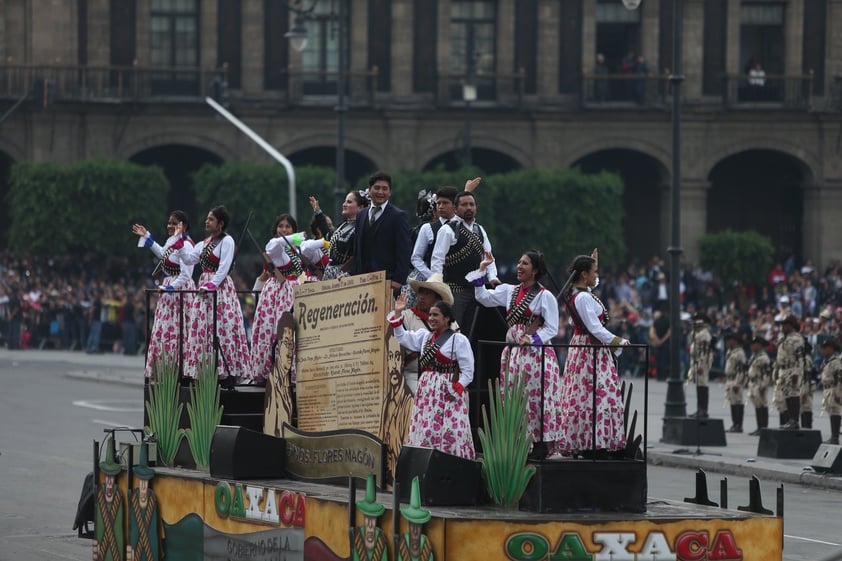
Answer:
(429, 292)
(701, 359)
(789, 367)
(414, 546)
(369, 542)
(759, 376)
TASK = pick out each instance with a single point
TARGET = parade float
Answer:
(316, 470)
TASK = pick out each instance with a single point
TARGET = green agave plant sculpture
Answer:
(505, 444)
(164, 410)
(204, 413)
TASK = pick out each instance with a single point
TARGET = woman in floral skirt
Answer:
(276, 294)
(589, 316)
(532, 316)
(216, 255)
(440, 409)
(167, 339)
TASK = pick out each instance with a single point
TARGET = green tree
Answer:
(262, 190)
(87, 207)
(561, 212)
(736, 257)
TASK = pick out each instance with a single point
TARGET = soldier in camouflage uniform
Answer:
(701, 359)
(735, 379)
(759, 377)
(808, 386)
(832, 386)
(789, 367)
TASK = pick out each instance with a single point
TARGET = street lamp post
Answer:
(675, 404)
(298, 36)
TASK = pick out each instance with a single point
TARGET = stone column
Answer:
(833, 66)
(588, 34)
(694, 205)
(650, 33)
(505, 46)
(692, 40)
(144, 8)
(208, 32)
(793, 37)
(403, 39)
(358, 47)
(822, 231)
(14, 32)
(252, 48)
(99, 33)
(733, 64)
(548, 48)
(443, 49)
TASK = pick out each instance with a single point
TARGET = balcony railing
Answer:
(772, 90)
(112, 84)
(307, 87)
(500, 90)
(623, 91)
(109, 83)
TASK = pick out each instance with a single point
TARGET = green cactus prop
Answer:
(163, 409)
(505, 443)
(204, 412)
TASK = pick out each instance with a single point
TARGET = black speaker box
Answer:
(240, 453)
(445, 480)
(800, 444)
(828, 459)
(688, 431)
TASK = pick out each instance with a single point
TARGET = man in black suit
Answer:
(381, 240)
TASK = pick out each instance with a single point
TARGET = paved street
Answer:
(55, 403)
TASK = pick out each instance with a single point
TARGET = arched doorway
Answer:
(179, 162)
(760, 190)
(6, 163)
(357, 166)
(644, 179)
(489, 161)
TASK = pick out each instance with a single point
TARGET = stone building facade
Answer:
(125, 79)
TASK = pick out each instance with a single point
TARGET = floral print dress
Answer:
(532, 310)
(439, 418)
(216, 254)
(577, 385)
(169, 328)
(276, 297)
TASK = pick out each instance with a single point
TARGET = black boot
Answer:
(735, 419)
(793, 408)
(740, 412)
(835, 421)
(758, 412)
(807, 420)
(784, 418)
(701, 403)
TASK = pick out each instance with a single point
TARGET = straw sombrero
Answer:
(437, 285)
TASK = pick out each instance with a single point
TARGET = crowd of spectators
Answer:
(638, 295)
(79, 303)
(63, 302)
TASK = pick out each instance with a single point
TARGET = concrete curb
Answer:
(123, 377)
(783, 474)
